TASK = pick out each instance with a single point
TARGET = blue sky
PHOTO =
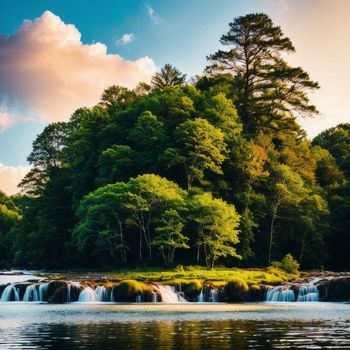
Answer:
(182, 33)
(37, 77)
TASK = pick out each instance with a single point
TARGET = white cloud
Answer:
(156, 19)
(47, 71)
(125, 39)
(5, 120)
(10, 178)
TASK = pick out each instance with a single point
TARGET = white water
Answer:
(200, 298)
(308, 293)
(31, 293)
(10, 293)
(43, 288)
(169, 295)
(101, 293)
(112, 299)
(280, 294)
(213, 297)
(87, 295)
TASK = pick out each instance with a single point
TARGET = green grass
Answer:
(218, 275)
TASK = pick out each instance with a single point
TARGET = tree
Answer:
(148, 195)
(217, 226)
(102, 218)
(168, 76)
(116, 163)
(337, 141)
(201, 147)
(286, 187)
(169, 236)
(269, 91)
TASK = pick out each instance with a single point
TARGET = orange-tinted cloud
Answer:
(48, 72)
(10, 177)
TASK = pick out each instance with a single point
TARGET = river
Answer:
(98, 326)
(298, 325)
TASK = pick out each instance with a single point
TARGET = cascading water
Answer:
(154, 297)
(31, 293)
(101, 293)
(200, 298)
(43, 289)
(87, 295)
(10, 293)
(169, 295)
(112, 298)
(280, 294)
(213, 296)
(308, 293)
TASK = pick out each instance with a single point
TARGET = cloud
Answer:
(47, 71)
(10, 178)
(125, 39)
(6, 121)
(156, 19)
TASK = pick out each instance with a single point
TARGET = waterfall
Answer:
(112, 299)
(213, 297)
(43, 288)
(200, 298)
(154, 297)
(31, 293)
(308, 293)
(101, 293)
(87, 295)
(10, 293)
(168, 294)
(138, 298)
(280, 294)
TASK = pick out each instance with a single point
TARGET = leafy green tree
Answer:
(337, 141)
(327, 172)
(168, 76)
(169, 235)
(217, 226)
(201, 147)
(102, 217)
(9, 217)
(287, 187)
(148, 195)
(269, 91)
(116, 163)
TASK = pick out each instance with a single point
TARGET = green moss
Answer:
(128, 290)
(236, 290)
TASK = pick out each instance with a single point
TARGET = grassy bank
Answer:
(219, 275)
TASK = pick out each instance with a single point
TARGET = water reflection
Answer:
(180, 335)
(107, 327)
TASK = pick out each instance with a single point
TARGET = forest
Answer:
(212, 170)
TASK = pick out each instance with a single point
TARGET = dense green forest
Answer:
(212, 171)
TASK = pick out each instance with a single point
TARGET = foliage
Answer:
(288, 264)
(217, 171)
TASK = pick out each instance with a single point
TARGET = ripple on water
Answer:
(110, 327)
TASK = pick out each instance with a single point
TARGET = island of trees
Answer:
(215, 171)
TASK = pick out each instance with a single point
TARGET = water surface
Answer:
(97, 326)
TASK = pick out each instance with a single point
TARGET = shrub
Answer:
(128, 290)
(288, 264)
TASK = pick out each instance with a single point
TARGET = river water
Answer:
(98, 326)
(177, 326)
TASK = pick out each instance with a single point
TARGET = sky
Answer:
(58, 55)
